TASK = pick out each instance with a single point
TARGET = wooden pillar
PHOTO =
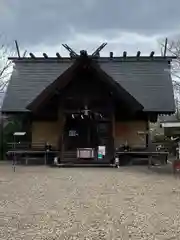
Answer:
(62, 137)
(62, 121)
(2, 137)
(147, 132)
(45, 157)
(29, 130)
(27, 127)
(114, 128)
(149, 161)
(148, 143)
(26, 160)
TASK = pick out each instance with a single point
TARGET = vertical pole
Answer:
(17, 48)
(46, 157)
(165, 47)
(147, 133)
(149, 161)
(114, 135)
(26, 160)
(113, 128)
(2, 136)
(148, 141)
(46, 152)
(14, 156)
(62, 137)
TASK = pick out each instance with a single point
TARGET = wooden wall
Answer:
(127, 131)
(50, 131)
(46, 132)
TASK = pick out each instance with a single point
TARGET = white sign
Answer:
(102, 150)
(72, 133)
(19, 133)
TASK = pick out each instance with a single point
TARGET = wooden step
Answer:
(69, 153)
(69, 156)
(32, 160)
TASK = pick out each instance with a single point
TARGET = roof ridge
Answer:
(99, 59)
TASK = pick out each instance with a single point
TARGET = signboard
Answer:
(19, 133)
(72, 133)
(85, 153)
(101, 151)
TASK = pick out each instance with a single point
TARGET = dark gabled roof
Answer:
(147, 79)
(28, 79)
(64, 79)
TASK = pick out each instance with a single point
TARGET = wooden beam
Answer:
(152, 54)
(24, 54)
(45, 55)
(165, 47)
(58, 55)
(97, 52)
(17, 48)
(72, 52)
(32, 55)
(124, 54)
(138, 54)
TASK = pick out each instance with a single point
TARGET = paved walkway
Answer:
(89, 203)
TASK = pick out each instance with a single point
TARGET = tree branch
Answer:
(5, 64)
(173, 48)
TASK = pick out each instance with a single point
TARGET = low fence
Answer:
(25, 152)
(26, 146)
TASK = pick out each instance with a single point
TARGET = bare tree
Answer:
(6, 50)
(172, 47)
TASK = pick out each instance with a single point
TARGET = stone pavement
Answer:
(88, 203)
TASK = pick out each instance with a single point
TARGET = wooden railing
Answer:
(26, 146)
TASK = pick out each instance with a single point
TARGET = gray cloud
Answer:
(54, 21)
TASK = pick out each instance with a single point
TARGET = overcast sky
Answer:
(131, 25)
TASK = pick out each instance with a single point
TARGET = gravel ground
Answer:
(88, 203)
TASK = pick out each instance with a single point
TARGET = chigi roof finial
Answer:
(70, 50)
(97, 51)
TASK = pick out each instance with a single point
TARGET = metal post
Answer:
(26, 160)
(14, 156)
(46, 156)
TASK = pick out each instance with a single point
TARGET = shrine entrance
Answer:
(88, 132)
(80, 133)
